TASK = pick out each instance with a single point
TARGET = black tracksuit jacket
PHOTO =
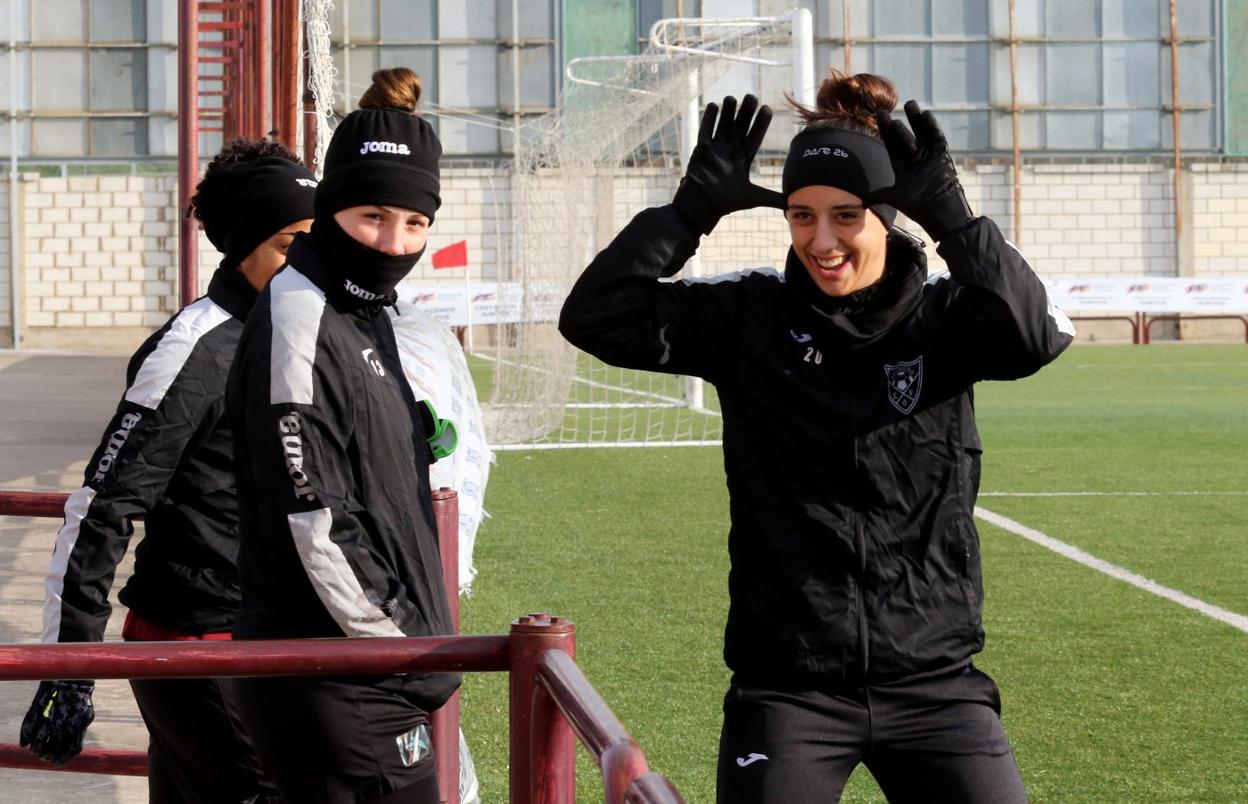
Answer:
(850, 446)
(337, 527)
(166, 456)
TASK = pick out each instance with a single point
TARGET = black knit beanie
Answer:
(851, 161)
(245, 203)
(386, 157)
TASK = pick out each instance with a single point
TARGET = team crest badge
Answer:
(414, 745)
(905, 380)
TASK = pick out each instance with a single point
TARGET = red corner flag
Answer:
(453, 256)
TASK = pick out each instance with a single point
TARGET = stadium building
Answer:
(1083, 91)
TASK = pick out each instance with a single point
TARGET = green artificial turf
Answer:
(1110, 693)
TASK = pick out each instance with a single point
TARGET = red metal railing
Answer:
(1150, 320)
(445, 721)
(1134, 320)
(552, 702)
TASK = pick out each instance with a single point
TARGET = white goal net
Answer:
(616, 144)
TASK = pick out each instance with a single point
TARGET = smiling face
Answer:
(840, 242)
(390, 230)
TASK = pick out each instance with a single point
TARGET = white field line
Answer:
(604, 444)
(1203, 364)
(1113, 570)
(1113, 493)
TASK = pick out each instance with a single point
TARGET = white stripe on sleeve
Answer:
(296, 313)
(1060, 320)
(76, 508)
(162, 366)
(334, 580)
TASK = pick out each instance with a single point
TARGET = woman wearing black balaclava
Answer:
(338, 534)
(850, 445)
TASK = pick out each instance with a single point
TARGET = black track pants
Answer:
(931, 738)
(197, 751)
(333, 741)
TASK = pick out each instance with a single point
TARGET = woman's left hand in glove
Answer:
(925, 187)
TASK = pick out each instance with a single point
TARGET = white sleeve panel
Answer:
(76, 508)
(297, 305)
(1060, 319)
(162, 366)
(333, 578)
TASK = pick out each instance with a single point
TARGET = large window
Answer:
(84, 77)
(97, 78)
(1093, 75)
(482, 72)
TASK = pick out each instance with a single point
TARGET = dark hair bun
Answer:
(849, 101)
(393, 88)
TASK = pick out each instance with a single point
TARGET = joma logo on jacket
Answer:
(292, 447)
(116, 440)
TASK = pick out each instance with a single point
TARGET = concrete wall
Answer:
(6, 269)
(99, 253)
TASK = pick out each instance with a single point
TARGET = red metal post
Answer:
(188, 148)
(565, 693)
(264, 67)
(553, 762)
(311, 121)
(445, 721)
(552, 780)
(288, 72)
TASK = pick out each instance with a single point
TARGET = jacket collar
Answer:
(304, 257)
(867, 314)
(229, 289)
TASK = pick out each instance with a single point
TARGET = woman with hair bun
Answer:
(850, 445)
(334, 452)
(393, 88)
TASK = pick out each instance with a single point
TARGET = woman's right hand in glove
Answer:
(57, 720)
(717, 180)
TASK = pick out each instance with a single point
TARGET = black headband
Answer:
(848, 160)
(253, 200)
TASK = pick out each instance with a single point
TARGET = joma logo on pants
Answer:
(292, 448)
(116, 440)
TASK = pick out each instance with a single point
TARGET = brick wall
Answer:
(100, 252)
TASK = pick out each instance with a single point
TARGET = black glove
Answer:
(717, 180)
(57, 720)
(925, 186)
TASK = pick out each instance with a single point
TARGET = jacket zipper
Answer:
(860, 539)
(863, 637)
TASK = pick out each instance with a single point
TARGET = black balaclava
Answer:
(854, 162)
(383, 157)
(245, 203)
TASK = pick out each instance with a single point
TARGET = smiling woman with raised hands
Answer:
(850, 445)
